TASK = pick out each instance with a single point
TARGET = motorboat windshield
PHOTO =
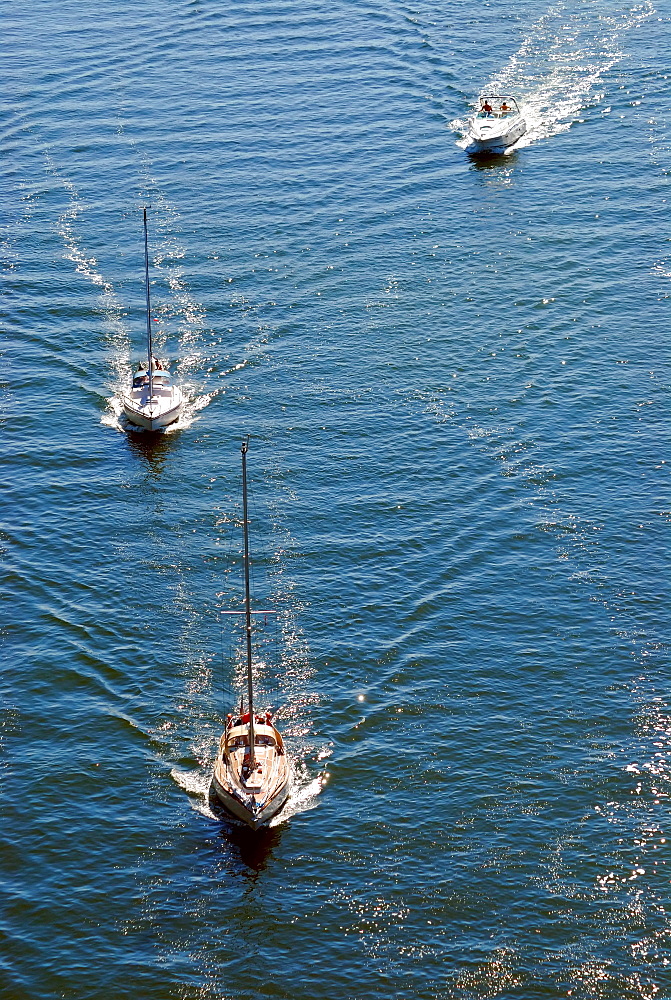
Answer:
(497, 107)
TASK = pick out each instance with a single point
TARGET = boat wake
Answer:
(557, 72)
(85, 263)
(196, 784)
(304, 793)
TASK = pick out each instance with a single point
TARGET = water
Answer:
(455, 377)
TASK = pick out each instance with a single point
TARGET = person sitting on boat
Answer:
(505, 108)
(486, 107)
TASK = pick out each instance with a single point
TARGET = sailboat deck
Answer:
(259, 786)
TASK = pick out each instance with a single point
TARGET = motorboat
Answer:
(154, 402)
(251, 777)
(497, 123)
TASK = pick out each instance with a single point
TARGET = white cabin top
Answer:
(160, 378)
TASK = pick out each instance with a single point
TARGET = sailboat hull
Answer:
(253, 793)
(153, 414)
(240, 810)
(154, 402)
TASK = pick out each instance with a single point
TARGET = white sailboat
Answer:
(251, 777)
(154, 402)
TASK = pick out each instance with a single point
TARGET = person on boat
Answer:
(505, 108)
(486, 107)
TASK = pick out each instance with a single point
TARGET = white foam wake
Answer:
(196, 784)
(304, 793)
(557, 72)
(109, 307)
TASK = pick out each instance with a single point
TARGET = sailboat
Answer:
(154, 402)
(251, 777)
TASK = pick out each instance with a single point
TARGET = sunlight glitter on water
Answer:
(457, 372)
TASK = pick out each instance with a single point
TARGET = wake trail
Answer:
(179, 308)
(115, 332)
(557, 73)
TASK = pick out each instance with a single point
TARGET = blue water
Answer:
(455, 376)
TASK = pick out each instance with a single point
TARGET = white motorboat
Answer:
(154, 402)
(251, 777)
(497, 123)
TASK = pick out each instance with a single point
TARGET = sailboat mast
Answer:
(248, 605)
(146, 281)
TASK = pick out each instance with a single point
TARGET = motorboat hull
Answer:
(483, 135)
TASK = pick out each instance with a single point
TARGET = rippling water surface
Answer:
(455, 374)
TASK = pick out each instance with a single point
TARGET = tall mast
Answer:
(248, 604)
(146, 281)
